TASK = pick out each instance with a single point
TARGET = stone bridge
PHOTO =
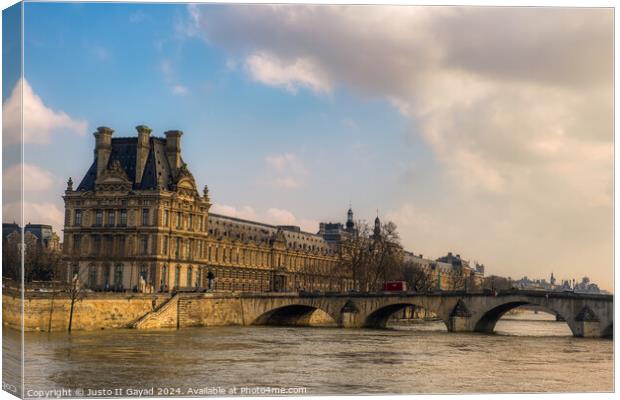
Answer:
(587, 315)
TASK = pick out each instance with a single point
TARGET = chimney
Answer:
(142, 150)
(103, 148)
(173, 149)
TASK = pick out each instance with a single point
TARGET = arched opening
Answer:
(296, 315)
(523, 319)
(405, 316)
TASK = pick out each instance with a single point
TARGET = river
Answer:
(529, 353)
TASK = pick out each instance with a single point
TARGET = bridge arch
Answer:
(486, 323)
(295, 315)
(379, 317)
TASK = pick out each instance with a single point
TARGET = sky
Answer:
(482, 131)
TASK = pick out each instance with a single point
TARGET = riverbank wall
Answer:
(50, 312)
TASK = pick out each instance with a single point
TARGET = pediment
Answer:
(114, 175)
(186, 183)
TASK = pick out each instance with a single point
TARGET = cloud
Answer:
(167, 70)
(285, 170)
(34, 178)
(36, 213)
(179, 90)
(516, 105)
(40, 121)
(289, 74)
(245, 212)
(273, 216)
(280, 216)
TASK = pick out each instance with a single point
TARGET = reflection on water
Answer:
(530, 353)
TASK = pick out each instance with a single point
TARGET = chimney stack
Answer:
(173, 149)
(103, 148)
(142, 150)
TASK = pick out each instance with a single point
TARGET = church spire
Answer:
(350, 224)
(377, 230)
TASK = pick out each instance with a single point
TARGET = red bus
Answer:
(395, 286)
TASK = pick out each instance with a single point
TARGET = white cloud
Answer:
(273, 216)
(291, 75)
(167, 69)
(40, 121)
(179, 90)
(285, 171)
(36, 213)
(516, 105)
(245, 212)
(286, 162)
(280, 216)
(34, 178)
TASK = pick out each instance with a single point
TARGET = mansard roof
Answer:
(258, 232)
(156, 173)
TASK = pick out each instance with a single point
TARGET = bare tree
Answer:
(355, 255)
(76, 293)
(496, 282)
(40, 263)
(12, 258)
(458, 278)
(418, 277)
(372, 257)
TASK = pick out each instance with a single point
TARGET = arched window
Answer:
(189, 276)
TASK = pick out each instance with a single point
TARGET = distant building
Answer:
(448, 272)
(585, 286)
(41, 234)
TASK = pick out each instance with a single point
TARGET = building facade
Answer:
(41, 234)
(450, 272)
(137, 221)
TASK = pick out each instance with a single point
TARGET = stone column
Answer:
(587, 324)
(349, 316)
(460, 318)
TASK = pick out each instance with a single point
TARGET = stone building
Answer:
(449, 272)
(137, 221)
(41, 234)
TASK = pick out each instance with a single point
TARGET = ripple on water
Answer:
(326, 360)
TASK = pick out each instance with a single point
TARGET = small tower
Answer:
(350, 224)
(377, 230)
(552, 280)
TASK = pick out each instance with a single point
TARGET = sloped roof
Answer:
(156, 173)
(258, 232)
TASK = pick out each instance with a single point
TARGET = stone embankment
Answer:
(49, 312)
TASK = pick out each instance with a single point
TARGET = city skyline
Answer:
(290, 133)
